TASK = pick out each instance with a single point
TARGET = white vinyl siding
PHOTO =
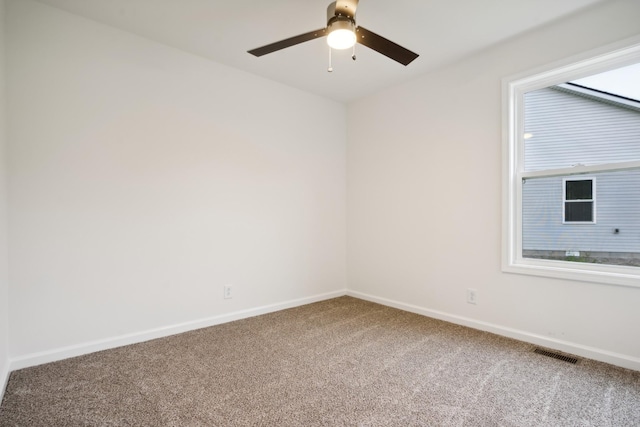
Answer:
(618, 198)
(570, 129)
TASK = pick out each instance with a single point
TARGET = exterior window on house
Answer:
(573, 176)
(573, 129)
(579, 201)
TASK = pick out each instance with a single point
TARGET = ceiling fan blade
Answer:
(346, 8)
(384, 46)
(292, 41)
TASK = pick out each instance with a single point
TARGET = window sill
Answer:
(567, 270)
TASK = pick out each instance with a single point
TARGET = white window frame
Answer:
(614, 56)
(592, 199)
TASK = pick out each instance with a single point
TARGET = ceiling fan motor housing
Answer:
(341, 23)
(340, 19)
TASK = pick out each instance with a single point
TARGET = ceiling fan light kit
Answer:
(343, 33)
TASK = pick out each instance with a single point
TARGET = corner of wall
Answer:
(4, 285)
(4, 380)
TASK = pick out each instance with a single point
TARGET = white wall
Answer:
(424, 200)
(4, 273)
(144, 178)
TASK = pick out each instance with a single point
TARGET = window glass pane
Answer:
(579, 190)
(570, 124)
(585, 128)
(578, 211)
(613, 239)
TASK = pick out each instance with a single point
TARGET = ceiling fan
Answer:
(342, 33)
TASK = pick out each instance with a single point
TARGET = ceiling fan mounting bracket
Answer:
(346, 8)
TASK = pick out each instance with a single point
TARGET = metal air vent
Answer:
(555, 355)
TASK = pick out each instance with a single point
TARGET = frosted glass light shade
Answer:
(341, 35)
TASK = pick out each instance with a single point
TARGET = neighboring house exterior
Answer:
(597, 213)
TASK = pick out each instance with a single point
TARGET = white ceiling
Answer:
(441, 31)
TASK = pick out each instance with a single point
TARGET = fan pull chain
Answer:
(353, 54)
(330, 69)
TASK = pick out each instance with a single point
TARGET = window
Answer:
(579, 201)
(571, 204)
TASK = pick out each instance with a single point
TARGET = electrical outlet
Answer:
(472, 296)
(228, 291)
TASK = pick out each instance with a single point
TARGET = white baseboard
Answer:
(612, 358)
(105, 344)
(48, 356)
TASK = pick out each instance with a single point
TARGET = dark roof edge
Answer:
(598, 95)
(603, 92)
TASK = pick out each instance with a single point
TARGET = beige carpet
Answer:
(342, 362)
